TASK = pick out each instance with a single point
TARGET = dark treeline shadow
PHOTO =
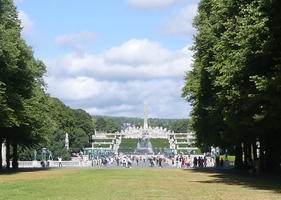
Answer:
(19, 170)
(242, 178)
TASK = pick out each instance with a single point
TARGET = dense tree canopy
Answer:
(29, 118)
(234, 86)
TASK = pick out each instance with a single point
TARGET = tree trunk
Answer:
(238, 155)
(247, 155)
(272, 156)
(261, 157)
(1, 164)
(15, 156)
(255, 155)
(7, 153)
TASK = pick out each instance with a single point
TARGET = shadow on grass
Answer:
(15, 171)
(242, 178)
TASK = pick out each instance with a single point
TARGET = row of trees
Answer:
(29, 118)
(113, 124)
(62, 119)
(235, 83)
(106, 125)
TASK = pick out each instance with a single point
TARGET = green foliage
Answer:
(106, 125)
(180, 126)
(171, 124)
(235, 81)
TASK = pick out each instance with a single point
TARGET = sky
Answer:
(110, 57)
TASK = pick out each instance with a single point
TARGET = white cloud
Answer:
(123, 108)
(77, 41)
(18, 1)
(151, 4)
(135, 59)
(118, 81)
(27, 25)
(180, 23)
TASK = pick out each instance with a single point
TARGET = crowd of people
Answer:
(147, 161)
(178, 161)
(129, 161)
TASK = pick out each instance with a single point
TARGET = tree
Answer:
(235, 81)
(180, 126)
(100, 124)
(20, 74)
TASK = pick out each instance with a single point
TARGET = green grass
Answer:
(110, 136)
(160, 143)
(182, 140)
(230, 158)
(135, 184)
(180, 136)
(101, 145)
(183, 145)
(128, 145)
(103, 140)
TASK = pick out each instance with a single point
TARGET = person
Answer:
(222, 163)
(42, 163)
(195, 162)
(160, 162)
(60, 161)
(137, 161)
(205, 161)
(117, 160)
(129, 163)
(217, 161)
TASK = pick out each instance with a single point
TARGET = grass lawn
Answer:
(159, 143)
(140, 184)
(128, 145)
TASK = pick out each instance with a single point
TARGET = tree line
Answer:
(30, 118)
(235, 82)
(111, 124)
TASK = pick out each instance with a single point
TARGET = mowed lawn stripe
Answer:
(123, 184)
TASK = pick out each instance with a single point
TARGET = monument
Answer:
(144, 145)
(66, 142)
(3, 154)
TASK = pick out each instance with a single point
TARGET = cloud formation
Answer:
(133, 60)
(118, 81)
(180, 24)
(151, 4)
(18, 1)
(27, 25)
(77, 41)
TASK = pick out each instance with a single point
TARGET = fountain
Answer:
(144, 145)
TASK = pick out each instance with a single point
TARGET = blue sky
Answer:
(109, 57)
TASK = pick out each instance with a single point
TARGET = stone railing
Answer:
(37, 164)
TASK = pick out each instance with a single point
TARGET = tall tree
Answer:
(235, 81)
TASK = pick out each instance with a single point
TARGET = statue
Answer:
(34, 155)
(50, 155)
(44, 153)
(66, 141)
(145, 120)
